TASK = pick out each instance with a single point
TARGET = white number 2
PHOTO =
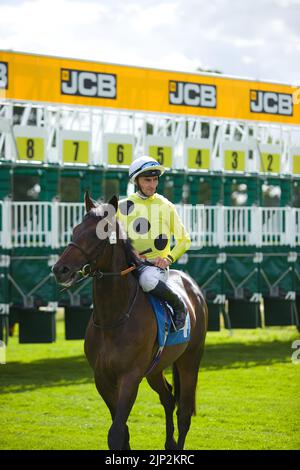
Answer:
(296, 354)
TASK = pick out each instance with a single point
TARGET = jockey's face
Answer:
(148, 184)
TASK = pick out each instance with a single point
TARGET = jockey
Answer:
(151, 221)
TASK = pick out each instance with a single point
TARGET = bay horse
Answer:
(120, 341)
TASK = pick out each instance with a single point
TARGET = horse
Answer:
(120, 340)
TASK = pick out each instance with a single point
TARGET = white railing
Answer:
(193, 219)
(70, 215)
(241, 226)
(238, 229)
(30, 224)
(50, 224)
(274, 226)
(211, 234)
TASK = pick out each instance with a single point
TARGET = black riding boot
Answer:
(164, 292)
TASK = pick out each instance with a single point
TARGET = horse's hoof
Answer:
(171, 445)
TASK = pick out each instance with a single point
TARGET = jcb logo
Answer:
(192, 94)
(4, 75)
(91, 84)
(271, 102)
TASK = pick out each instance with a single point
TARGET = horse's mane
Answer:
(131, 257)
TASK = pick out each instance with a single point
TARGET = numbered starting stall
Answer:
(204, 261)
(33, 291)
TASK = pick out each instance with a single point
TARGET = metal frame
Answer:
(99, 121)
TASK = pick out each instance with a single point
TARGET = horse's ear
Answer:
(89, 204)
(114, 202)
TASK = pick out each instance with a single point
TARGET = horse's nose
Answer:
(60, 269)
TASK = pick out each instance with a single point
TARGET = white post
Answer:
(290, 227)
(256, 226)
(220, 229)
(55, 223)
(6, 223)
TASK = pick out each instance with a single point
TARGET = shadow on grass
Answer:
(19, 377)
(238, 355)
(22, 377)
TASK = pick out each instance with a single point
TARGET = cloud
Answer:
(148, 19)
(248, 60)
(254, 38)
(46, 25)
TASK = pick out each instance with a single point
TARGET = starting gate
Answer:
(232, 150)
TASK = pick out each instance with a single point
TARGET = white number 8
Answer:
(3, 75)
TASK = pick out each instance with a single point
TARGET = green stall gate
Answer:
(241, 288)
(278, 286)
(205, 266)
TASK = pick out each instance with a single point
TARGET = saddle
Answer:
(166, 334)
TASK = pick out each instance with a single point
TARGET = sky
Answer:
(258, 39)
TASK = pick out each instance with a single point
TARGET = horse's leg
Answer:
(164, 390)
(109, 393)
(187, 367)
(118, 435)
(126, 443)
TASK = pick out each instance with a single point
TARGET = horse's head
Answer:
(89, 241)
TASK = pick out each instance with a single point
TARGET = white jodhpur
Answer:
(151, 275)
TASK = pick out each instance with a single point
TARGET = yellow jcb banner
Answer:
(46, 79)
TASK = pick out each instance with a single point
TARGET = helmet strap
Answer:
(142, 195)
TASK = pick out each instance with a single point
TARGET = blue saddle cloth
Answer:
(164, 324)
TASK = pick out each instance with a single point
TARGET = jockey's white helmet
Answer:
(145, 165)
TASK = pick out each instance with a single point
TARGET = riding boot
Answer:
(164, 292)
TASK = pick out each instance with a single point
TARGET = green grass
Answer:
(247, 397)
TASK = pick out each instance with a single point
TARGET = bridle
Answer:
(86, 270)
(90, 270)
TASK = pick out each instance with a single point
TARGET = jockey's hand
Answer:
(162, 263)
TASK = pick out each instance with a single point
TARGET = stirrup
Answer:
(180, 327)
(181, 323)
(180, 318)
